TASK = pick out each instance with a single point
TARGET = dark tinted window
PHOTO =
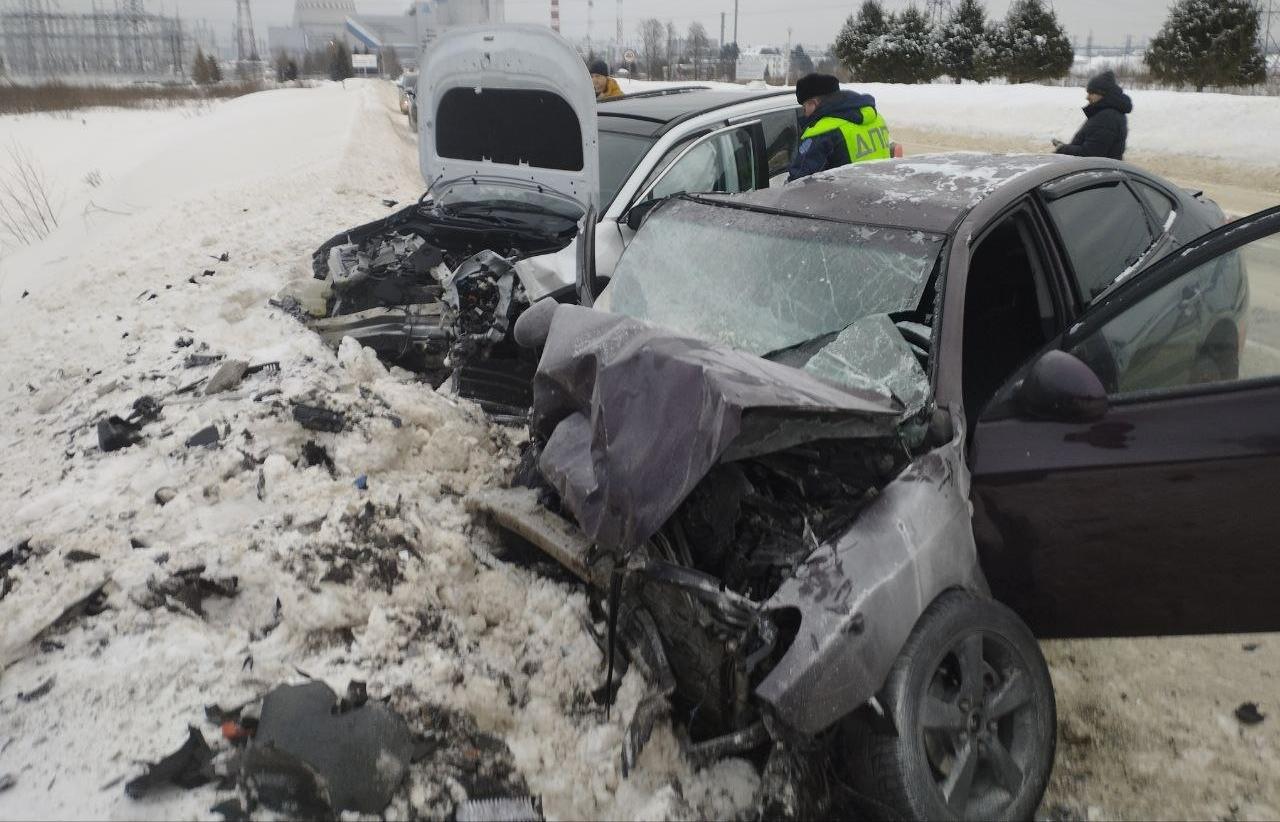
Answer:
(619, 154)
(1104, 230)
(781, 133)
(510, 126)
(1159, 203)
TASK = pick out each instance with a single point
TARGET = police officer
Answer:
(841, 127)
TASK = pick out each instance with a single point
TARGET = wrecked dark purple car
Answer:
(778, 450)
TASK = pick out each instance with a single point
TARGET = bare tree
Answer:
(26, 212)
(673, 58)
(698, 46)
(652, 36)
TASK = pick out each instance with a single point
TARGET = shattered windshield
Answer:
(762, 282)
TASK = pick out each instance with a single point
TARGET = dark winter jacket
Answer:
(1105, 128)
(827, 151)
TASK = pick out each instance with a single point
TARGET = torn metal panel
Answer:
(635, 417)
(518, 511)
(860, 595)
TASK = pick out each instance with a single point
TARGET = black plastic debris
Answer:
(164, 495)
(307, 752)
(76, 555)
(500, 809)
(25, 294)
(189, 588)
(315, 454)
(1250, 647)
(291, 306)
(315, 418)
(188, 767)
(184, 342)
(224, 256)
(204, 438)
(231, 810)
(390, 203)
(37, 692)
(115, 433)
(8, 780)
(1248, 714)
(267, 367)
(197, 360)
(9, 560)
(228, 376)
(146, 409)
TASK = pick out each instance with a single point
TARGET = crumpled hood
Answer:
(635, 416)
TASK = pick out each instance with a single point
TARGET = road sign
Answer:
(629, 56)
(364, 61)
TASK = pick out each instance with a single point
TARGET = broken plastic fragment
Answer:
(315, 418)
(115, 433)
(205, 437)
(227, 376)
(500, 809)
(188, 767)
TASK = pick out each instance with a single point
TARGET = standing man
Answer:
(1106, 125)
(606, 87)
(840, 127)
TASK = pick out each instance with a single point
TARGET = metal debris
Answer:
(315, 418)
(500, 809)
(188, 767)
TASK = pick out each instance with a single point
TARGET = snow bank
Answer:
(1226, 127)
(393, 584)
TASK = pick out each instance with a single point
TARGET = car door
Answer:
(1160, 516)
(781, 135)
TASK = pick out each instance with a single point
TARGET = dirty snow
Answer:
(393, 585)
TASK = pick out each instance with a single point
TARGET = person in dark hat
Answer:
(606, 86)
(1106, 125)
(840, 127)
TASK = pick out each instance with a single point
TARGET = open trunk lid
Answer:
(507, 108)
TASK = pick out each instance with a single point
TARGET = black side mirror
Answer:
(634, 218)
(1061, 387)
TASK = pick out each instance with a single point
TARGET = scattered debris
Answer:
(317, 761)
(188, 589)
(390, 203)
(205, 437)
(268, 367)
(315, 454)
(227, 376)
(115, 433)
(184, 342)
(1250, 647)
(1248, 714)
(291, 306)
(500, 809)
(164, 495)
(362, 482)
(25, 294)
(8, 780)
(188, 767)
(315, 418)
(76, 555)
(197, 360)
(37, 692)
(10, 559)
(223, 257)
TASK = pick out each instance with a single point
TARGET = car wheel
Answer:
(974, 710)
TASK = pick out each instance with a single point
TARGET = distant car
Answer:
(830, 449)
(498, 183)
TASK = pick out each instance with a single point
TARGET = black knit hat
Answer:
(598, 67)
(1103, 83)
(815, 85)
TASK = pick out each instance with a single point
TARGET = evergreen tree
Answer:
(215, 70)
(904, 54)
(1209, 43)
(729, 61)
(200, 69)
(1035, 45)
(801, 62)
(391, 62)
(856, 36)
(962, 41)
(339, 61)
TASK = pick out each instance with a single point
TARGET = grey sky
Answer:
(759, 21)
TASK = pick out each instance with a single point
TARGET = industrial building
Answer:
(38, 40)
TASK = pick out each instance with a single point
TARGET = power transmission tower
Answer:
(246, 43)
(619, 32)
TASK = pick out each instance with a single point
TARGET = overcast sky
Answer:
(759, 21)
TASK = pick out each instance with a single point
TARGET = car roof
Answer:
(931, 192)
(653, 113)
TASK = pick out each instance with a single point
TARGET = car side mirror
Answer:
(1061, 387)
(635, 215)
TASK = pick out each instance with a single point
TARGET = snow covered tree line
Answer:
(1203, 43)
(1029, 44)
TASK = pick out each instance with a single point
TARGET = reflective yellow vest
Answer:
(867, 141)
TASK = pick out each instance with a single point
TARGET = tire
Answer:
(964, 651)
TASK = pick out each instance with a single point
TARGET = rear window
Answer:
(1159, 202)
(509, 126)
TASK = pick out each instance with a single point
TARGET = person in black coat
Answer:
(1106, 126)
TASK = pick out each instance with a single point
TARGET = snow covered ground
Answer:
(393, 585)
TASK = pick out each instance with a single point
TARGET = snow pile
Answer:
(157, 579)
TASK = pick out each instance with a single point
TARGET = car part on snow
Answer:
(227, 376)
(206, 437)
(353, 759)
(316, 418)
(500, 809)
(973, 719)
(115, 432)
(187, 589)
(188, 767)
